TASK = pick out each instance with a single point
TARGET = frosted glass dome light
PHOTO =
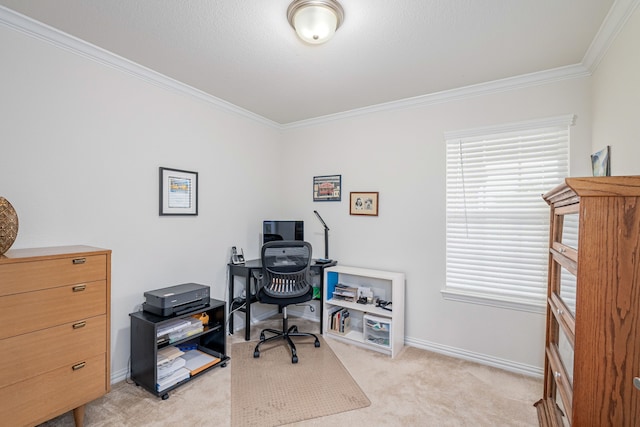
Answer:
(315, 21)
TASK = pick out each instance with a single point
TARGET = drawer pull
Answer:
(636, 382)
(79, 260)
(79, 288)
(79, 325)
(557, 374)
(78, 366)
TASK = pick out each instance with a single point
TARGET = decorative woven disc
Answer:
(8, 225)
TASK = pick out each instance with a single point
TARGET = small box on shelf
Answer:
(345, 293)
(377, 330)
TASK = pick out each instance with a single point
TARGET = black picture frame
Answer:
(327, 188)
(178, 192)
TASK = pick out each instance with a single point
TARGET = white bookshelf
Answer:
(385, 331)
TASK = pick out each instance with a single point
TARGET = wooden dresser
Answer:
(592, 364)
(54, 332)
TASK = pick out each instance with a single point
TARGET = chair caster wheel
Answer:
(165, 396)
(256, 354)
(294, 359)
(317, 343)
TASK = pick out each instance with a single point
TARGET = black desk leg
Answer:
(231, 287)
(247, 313)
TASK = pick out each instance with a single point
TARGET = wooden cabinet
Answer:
(592, 361)
(54, 331)
(378, 327)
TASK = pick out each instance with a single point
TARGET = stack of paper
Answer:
(198, 361)
(177, 376)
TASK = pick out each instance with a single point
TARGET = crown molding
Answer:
(466, 92)
(40, 31)
(613, 23)
(609, 30)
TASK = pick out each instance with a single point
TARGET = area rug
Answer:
(272, 391)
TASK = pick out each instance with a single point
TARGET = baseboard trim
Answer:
(483, 359)
(119, 376)
(459, 353)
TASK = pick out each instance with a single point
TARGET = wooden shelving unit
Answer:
(592, 363)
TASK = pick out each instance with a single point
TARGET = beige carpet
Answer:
(272, 391)
(417, 388)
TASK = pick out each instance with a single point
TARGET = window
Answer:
(497, 221)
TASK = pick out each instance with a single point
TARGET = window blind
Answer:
(497, 229)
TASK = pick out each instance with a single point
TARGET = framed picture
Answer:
(327, 188)
(178, 192)
(601, 162)
(364, 203)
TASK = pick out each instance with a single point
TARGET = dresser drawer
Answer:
(42, 274)
(28, 312)
(41, 398)
(27, 355)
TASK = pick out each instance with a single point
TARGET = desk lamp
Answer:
(326, 241)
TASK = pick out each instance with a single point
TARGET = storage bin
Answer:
(377, 330)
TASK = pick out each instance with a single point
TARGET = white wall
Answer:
(616, 100)
(80, 148)
(401, 154)
(81, 143)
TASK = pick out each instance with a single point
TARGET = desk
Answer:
(246, 270)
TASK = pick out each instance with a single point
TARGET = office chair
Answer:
(284, 281)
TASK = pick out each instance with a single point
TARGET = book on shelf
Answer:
(341, 321)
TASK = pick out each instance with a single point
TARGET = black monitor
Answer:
(282, 230)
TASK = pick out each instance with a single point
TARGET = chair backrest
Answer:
(285, 268)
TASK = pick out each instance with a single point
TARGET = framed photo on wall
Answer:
(327, 188)
(364, 203)
(178, 192)
(601, 162)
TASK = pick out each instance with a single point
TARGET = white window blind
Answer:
(497, 222)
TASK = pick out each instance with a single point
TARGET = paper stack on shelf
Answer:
(168, 354)
(193, 326)
(170, 367)
(177, 376)
(178, 329)
(168, 327)
(197, 361)
(172, 325)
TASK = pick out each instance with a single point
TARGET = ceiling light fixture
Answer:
(315, 21)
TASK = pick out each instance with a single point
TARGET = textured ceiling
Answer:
(245, 52)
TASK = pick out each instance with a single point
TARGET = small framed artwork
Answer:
(327, 188)
(364, 203)
(601, 162)
(178, 192)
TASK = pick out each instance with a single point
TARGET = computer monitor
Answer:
(282, 230)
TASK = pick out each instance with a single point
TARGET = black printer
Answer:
(176, 299)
